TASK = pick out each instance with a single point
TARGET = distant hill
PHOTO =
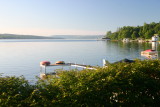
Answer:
(16, 36)
(78, 36)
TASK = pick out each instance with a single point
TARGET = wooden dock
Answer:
(83, 66)
(43, 67)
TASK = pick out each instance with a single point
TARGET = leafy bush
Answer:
(121, 84)
(14, 91)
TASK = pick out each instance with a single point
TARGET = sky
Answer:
(74, 17)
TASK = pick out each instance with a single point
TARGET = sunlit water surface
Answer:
(22, 57)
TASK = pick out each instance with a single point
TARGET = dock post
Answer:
(40, 68)
(104, 62)
(45, 69)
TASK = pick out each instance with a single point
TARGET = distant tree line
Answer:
(15, 36)
(145, 32)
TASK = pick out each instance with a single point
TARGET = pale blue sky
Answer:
(79, 17)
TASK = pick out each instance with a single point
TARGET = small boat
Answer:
(149, 52)
(104, 39)
(125, 61)
(105, 62)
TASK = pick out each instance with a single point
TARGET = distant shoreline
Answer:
(17, 36)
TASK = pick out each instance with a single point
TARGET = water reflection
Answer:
(120, 50)
(22, 58)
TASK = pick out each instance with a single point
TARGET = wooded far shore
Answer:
(134, 32)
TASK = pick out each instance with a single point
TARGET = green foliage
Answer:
(146, 32)
(14, 91)
(121, 84)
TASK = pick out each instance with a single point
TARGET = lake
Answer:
(22, 57)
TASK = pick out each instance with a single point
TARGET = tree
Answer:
(149, 34)
(134, 35)
(108, 34)
(146, 31)
(157, 28)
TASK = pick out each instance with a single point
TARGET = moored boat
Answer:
(149, 52)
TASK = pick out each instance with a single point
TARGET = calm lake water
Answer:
(22, 57)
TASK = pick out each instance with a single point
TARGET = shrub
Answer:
(14, 91)
(121, 84)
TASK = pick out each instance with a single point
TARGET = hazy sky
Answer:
(80, 17)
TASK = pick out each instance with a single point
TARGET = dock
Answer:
(45, 64)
